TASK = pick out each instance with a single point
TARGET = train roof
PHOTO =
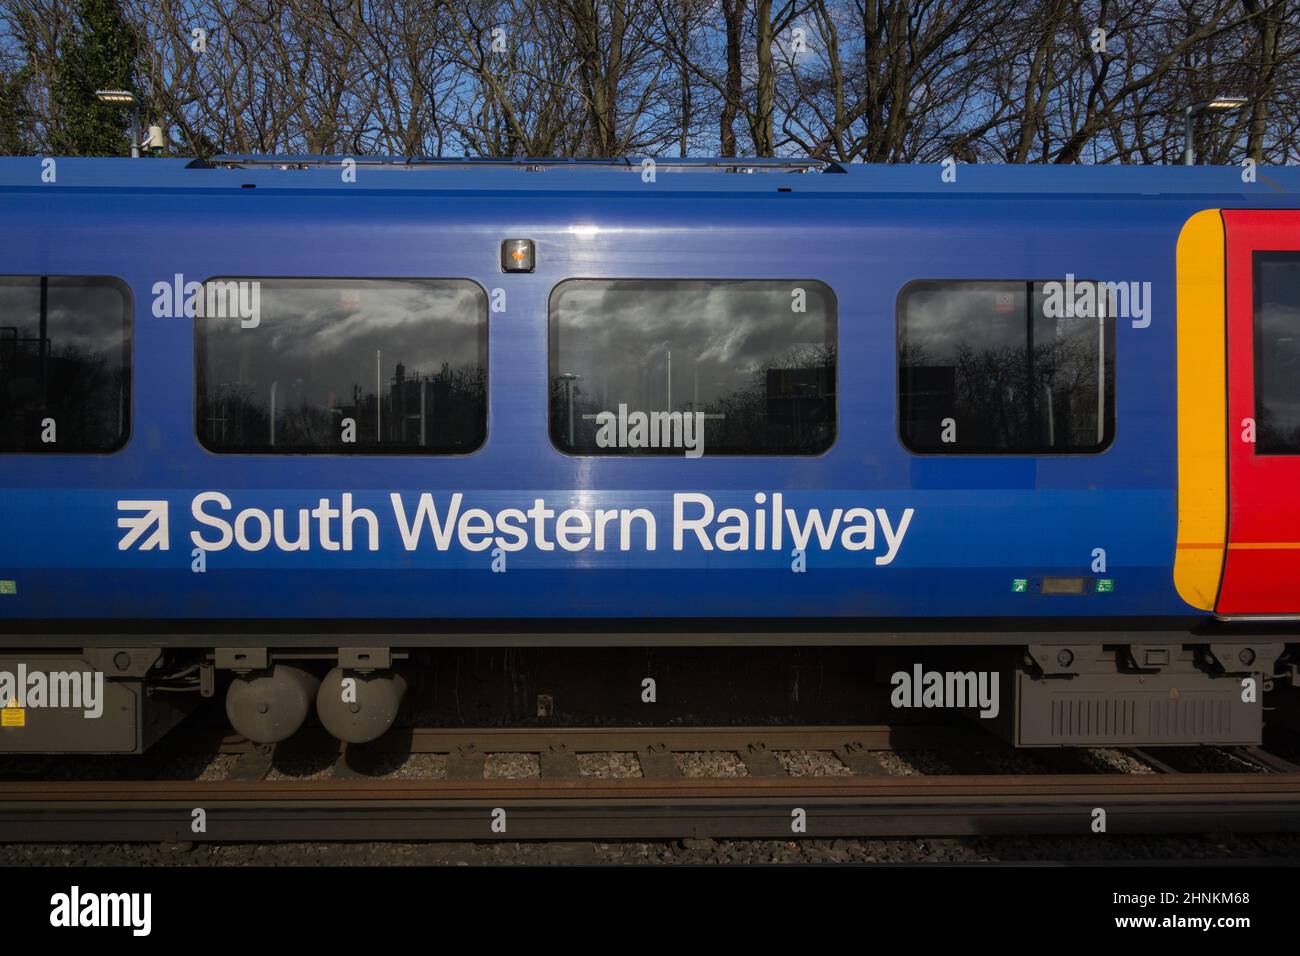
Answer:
(626, 175)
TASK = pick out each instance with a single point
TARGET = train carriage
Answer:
(283, 417)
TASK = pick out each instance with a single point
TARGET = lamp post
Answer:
(1219, 104)
(568, 378)
(125, 98)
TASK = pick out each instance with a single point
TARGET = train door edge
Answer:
(1202, 410)
(1261, 567)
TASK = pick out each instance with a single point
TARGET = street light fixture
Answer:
(1219, 104)
(125, 98)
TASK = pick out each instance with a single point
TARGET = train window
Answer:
(343, 366)
(64, 364)
(692, 367)
(1277, 353)
(1004, 368)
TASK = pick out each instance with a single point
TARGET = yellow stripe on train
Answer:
(1202, 411)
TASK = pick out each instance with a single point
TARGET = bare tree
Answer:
(1047, 81)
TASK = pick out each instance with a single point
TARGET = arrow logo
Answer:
(155, 516)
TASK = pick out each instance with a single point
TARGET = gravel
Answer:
(610, 765)
(1080, 849)
(1114, 761)
(711, 763)
(302, 767)
(511, 766)
(218, 767)
(910, 763)
(1206, 760)
(1012, 761)
(417, 767)
(811, 763)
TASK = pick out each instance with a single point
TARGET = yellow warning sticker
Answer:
(11, 715)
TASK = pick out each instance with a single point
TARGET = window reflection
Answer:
(984, 367)
(692, 367)
(1277, 352)
(383, 366)
(64, 364)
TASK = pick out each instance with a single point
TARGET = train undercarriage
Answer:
(1043, 690)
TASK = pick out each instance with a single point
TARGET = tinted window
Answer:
(692, 367)
(988, 367)
(1277, 352)
(64, 364)
(342, 366)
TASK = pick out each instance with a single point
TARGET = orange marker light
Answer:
(517, 255)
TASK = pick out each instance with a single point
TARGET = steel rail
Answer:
(1226, 787)
(585, 808)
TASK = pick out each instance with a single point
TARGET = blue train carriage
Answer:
(252, 408)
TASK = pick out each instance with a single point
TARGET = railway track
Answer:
(868, 800)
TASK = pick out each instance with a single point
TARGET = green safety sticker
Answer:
(1020, 585)
(8, 587)
(1105, 585)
